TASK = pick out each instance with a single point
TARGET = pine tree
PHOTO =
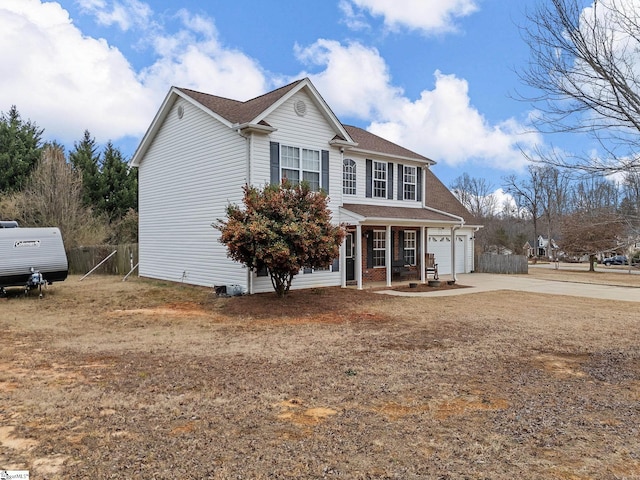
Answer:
(86, 160)
(118, 185)
(20, 148)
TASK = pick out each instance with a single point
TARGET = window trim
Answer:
(405, 183)
(379, 191)
(414, 248)
(349, 177)
(383, 249)
(301, 167)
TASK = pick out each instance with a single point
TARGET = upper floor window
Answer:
(380, 179)
(300, 164)
(348, 177)
(410, 182)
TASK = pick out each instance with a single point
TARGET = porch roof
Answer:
(371, 214)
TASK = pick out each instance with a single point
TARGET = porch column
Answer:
(388, 255)
(358, 259)
(343, 263)
(423, 254)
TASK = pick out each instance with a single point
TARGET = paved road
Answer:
(486, 282)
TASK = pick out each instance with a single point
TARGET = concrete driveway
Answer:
(486, 282)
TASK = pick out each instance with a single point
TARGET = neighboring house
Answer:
(201, 149)
(546, 248)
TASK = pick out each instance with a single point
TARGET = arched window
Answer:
(349, 177)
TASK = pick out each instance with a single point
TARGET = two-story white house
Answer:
(201, 149)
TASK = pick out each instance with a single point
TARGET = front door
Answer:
(349, 257)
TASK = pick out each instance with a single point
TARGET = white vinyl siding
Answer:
(192, 170)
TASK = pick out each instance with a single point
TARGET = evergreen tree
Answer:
(118, 185)
(86, 160)
(20, 148)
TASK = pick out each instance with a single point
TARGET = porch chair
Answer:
(431, 267)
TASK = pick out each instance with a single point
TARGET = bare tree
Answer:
(590, 232)
(554, 197)
(528, 195)
(476, 194)
(53, 197)
(585, 65)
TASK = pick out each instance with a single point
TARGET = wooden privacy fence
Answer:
(492, 263)
(83, 259)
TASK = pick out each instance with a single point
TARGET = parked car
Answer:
(616, 260)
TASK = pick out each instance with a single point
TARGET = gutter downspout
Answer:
(249, 145)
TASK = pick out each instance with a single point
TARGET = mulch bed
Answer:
(425, 287)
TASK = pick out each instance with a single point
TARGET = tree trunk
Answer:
(592, 263)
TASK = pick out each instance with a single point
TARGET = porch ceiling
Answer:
(376, 214)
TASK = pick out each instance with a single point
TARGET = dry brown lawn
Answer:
(145, 379)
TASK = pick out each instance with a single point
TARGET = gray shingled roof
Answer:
(369, 141)
(438, 197)
(235, 111)
(396, 213)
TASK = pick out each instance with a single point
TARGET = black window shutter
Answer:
(370, 250)
(325, 171)
(390, 181)
(418, 246)
(335, 267)
(401, 244)
(274, 151)
(369, 178)
(400, 182)
(419, 184)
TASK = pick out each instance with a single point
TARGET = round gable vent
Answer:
(300, 108)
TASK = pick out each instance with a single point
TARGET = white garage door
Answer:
(440, 246)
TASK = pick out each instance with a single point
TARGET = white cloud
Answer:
(125, 15)
(67, 82)
(441, 124)
(194, 58)
(64, 81)
(428, 16)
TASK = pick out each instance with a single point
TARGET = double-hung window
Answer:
(409, 247)
(379, 248)
(380, 179)
(410, 178)
(301, 164)
(348, 177)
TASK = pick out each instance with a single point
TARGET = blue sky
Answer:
(436, 76)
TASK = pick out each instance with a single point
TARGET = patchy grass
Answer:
(147, 379)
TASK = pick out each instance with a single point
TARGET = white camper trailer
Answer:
(31, 257)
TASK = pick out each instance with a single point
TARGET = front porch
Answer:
(369, 258)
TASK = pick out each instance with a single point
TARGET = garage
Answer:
(440, 246)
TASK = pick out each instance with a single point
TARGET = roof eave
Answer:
(255, 128)
(428, 161)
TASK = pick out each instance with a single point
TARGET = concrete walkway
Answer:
(487, 282)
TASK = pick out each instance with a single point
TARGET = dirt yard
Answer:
(144, 379)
